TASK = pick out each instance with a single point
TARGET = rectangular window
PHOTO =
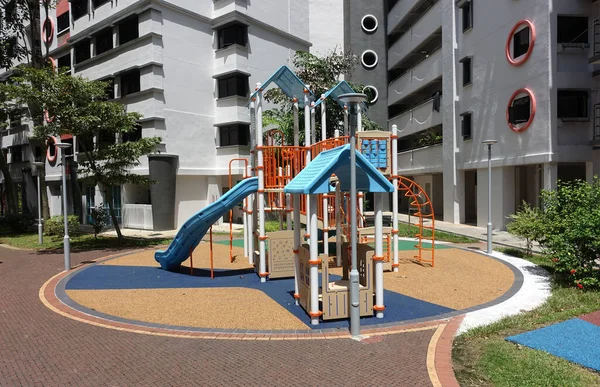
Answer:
(79, 8)
(467, 70)
(64, 62)
(97, 3)
(82, 51)
(105, 139)
(110, 88)
(85, 144)
(16, 153)
(38, 153)
(128, 30)
(130, 82)
(466, 126)
(520, 111)
(104, 40)
(521, 42)
(467, 15)
(134, 135)
(232, 34)
(573, 104)
(62, 22)
(572, 29)
(238, 134)
(233, 85)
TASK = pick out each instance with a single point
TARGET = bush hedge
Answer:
(55, 225)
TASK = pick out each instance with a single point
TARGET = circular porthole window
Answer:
(369, 23)
(372, 94)
(521, 110)
(369, 59)
(519, 44)
(48, 31)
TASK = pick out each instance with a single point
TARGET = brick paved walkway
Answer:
(40, 347)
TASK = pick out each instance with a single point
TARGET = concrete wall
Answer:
(503, 196)
(326, 24)
(357, 40)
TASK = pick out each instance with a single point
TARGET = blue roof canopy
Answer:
(288, 82)
(314, 178)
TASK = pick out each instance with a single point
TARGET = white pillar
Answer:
(378, 257)
(261, 187)
(361, 199)
(288, 200)
(296, 122)
(395, 196)
(297, 237)
(314, 264)
(346, 133)
(338, 218)
(308, 155)
(325, 201)
(248, 232)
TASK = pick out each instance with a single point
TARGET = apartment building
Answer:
(456, 73)
(187, 66)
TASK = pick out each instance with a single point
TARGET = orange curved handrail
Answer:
(409, 186)
(231, 211)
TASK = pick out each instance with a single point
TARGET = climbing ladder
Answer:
(419, 199)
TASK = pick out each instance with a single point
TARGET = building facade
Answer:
(187, 66)
(463, 71)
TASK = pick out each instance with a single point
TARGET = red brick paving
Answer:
(40, 347)
(593, 318)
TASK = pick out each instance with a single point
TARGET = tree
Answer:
(7, 109)
(78, 107)
(527, 223)
(20, 32)
(320, 75)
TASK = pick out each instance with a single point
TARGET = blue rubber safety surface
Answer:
(575, 340)
(104, 277)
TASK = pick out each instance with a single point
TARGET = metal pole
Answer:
(39, 197)
(489, 224)
(66, 242)
(354, 285)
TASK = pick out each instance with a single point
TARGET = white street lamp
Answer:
(66, 243)
(353, 100)
(489, 144)
(38, 165)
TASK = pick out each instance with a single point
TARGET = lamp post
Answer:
(38, 166)
(66, 243)
(353, 100)
(489, 144)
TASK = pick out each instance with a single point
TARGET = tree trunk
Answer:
(44, 189)
(111, 210)
(9, 186)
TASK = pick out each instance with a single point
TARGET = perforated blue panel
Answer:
(375, 151)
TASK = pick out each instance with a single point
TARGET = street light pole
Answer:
(39, 166)
(489, 144)
(353, 100)
(66, 243)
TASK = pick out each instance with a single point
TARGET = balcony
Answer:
(399, 15)
(595, 58)
(595, 143)
(416, 78)
(428, 159)
(417, 119)
(231, 59)
(418, 34)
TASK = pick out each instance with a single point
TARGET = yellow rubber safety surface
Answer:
(226, 308)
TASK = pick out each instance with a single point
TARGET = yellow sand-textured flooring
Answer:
(460, 279)
(201, 257)
(226, 308)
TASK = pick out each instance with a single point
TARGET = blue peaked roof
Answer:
(314, 178)
(341, 88)
(288, 82)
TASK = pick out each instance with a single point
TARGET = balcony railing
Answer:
(596, 135)
(419, 118)
(595, 57)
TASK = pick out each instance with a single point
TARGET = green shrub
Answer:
(99, 219)
(17, 223)
(528, 224)
(55, 226)
(571, 223)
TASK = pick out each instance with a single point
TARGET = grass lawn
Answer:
(404, 230)
(482, 357)
(79, 242)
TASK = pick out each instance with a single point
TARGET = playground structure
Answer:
(307, 188)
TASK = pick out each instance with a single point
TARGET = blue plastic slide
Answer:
(194, 229)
